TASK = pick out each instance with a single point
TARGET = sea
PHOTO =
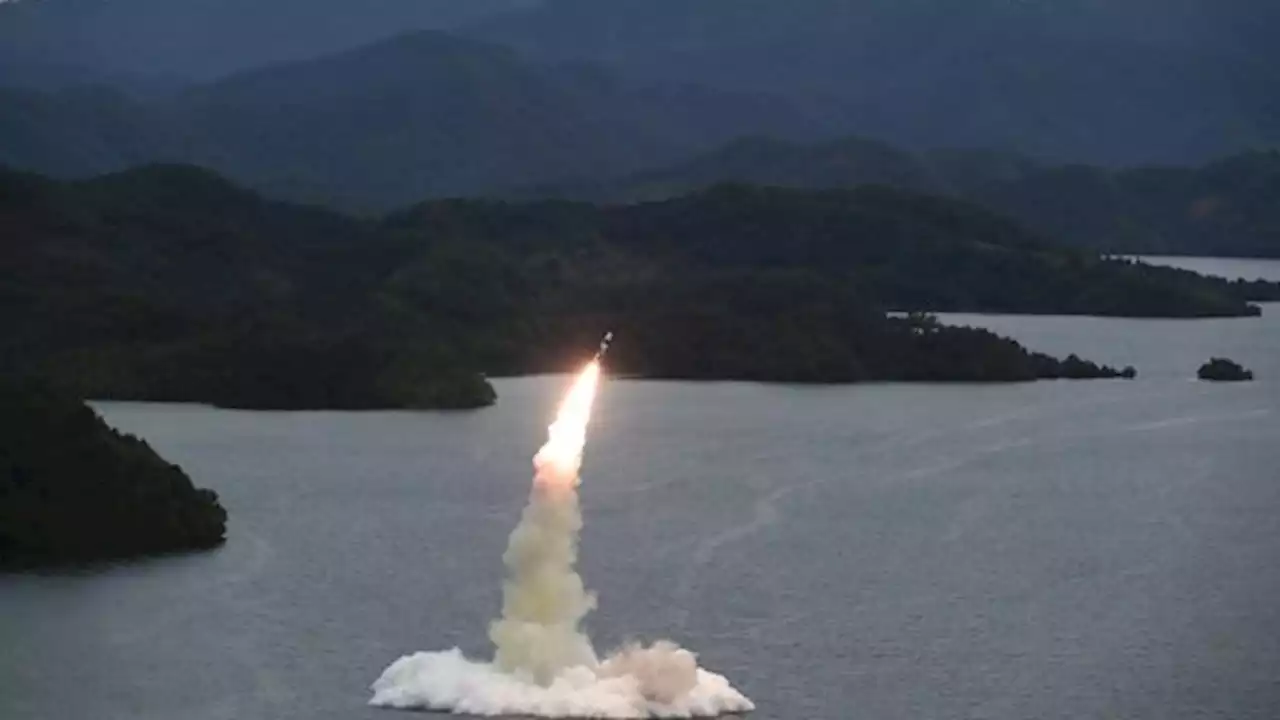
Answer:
(1047, 550)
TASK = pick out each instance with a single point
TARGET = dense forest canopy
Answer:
(417, 115)
(1227, 207)
(1096, 81)
(592, 90)
(1133, 82)
(170, 283)
(74, 490)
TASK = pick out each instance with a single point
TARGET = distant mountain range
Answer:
(1070, 81)
(633, 98)
(430, 115)
(416, 116)
(53, 43)
(1095, 81)
(1229, 207)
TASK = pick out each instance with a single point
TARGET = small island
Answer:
(73, 490)
(1224, 370)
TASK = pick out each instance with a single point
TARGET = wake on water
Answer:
(544, 665)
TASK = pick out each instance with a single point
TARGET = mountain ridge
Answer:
(1071, 81)
(1224, 207)
(418, 115)
(52, 43)
(168, 283)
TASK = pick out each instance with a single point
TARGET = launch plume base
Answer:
(544, 664)
(449, 682)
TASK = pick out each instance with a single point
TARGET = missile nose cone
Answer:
(604, 345)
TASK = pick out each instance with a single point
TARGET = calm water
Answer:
(1047, 550)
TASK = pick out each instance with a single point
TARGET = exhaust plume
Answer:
(544, 665)
(544, 598)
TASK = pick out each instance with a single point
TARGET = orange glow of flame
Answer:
(560, 458)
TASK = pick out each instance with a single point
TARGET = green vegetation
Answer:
(427, 115)
(1227, 208)
(913, 252)
(417, 115)
(168, 283)
(587, 86)
(1224, 370)
(74, 490)
(845, 163)
(1087, 80)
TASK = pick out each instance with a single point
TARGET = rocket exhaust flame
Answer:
(560, 459)
(544, 665)
(544, 598)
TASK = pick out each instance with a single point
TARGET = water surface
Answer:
(1044, 550)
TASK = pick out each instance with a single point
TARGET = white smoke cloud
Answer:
(664, 673)
(449, 682)
(544, 599)
(544, 665)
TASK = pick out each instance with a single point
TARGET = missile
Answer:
(604, 345)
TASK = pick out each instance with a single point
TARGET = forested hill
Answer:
(73, 490)
(919, 252)
(901, 250)
(418, 115)
(168, 282)
(52, 42)
(1101, 81)
(1230, 207)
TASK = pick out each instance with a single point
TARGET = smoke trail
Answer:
(544, 665)
(544, 598)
